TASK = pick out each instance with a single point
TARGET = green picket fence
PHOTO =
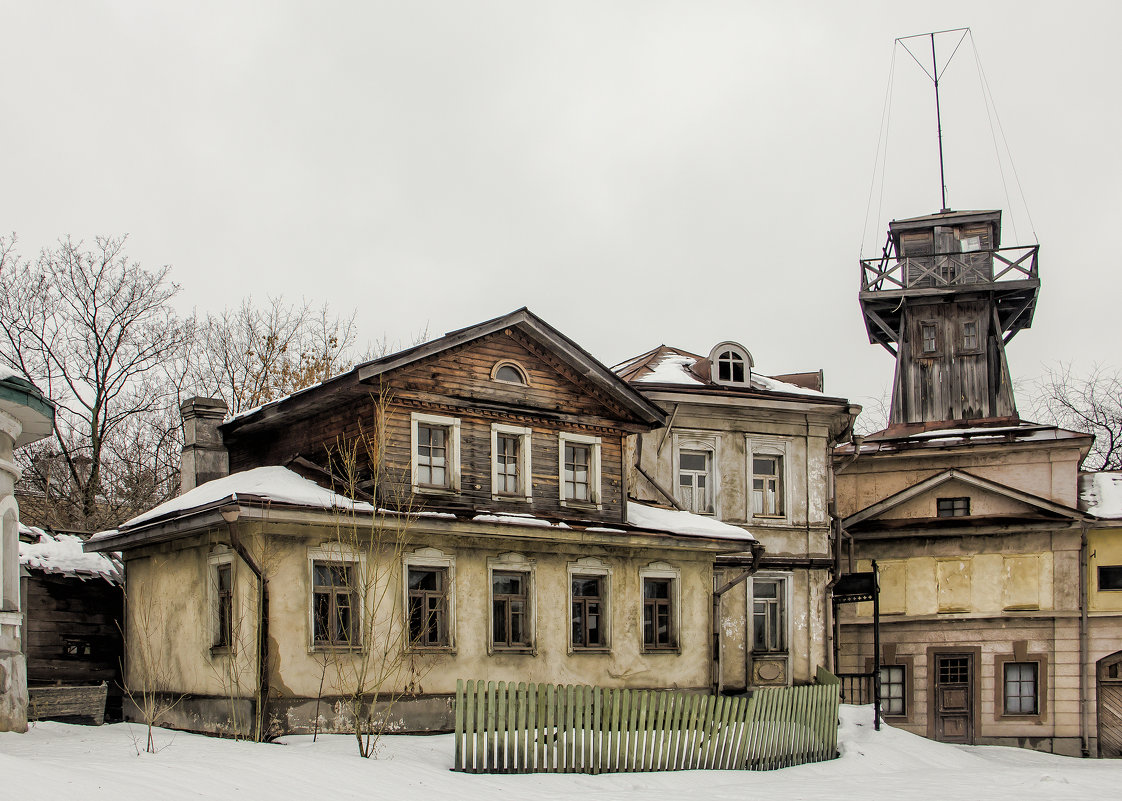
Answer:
(513, 727)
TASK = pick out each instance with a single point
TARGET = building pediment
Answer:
(958, 497)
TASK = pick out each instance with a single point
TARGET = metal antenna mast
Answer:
(934, 75)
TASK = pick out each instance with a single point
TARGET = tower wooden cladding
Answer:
(944, 298)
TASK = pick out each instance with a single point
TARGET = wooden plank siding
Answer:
(457, 383)
(62, 609)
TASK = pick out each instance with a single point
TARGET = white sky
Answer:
(634, 172)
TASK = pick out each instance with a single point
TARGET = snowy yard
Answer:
(58, 761)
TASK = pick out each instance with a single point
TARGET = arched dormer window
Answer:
(731, 364)
(509, 373)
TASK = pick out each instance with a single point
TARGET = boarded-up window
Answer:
(953, 581)
(893, 587)
(1021, 580)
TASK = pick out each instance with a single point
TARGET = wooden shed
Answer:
(72, 604)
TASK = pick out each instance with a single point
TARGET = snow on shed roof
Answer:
(1100, 494)
(63, 554)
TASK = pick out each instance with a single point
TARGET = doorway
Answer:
(954, 697)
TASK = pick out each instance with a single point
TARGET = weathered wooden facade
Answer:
(494, 460)
(25, 416)
(752, 451)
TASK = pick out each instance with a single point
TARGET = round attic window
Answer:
(731, 364)
(508, 372)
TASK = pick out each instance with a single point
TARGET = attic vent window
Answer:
(952, 507)
(509, 373)
(731, 364)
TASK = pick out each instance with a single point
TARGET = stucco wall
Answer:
(178, 576)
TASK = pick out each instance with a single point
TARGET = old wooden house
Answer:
(25, 416)
(456, 510)
(752, 451)
(970, 511)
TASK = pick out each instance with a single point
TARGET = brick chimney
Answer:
(204, 455)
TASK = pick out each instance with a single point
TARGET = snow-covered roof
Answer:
(281, 485)
(674, 366)
(1100, 494)
(8, 372)
(63, 554)
(273, 484)
(685, 524)
(912, 436)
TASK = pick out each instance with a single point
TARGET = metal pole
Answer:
(939, 123)
(876, 647)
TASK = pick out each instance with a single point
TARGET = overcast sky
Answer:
(636, 173)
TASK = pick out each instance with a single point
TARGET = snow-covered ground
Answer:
(58, 761)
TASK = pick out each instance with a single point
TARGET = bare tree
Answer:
(1091, 403)
(92, 330)
(251, 355)
(371, 655)
(875, 414)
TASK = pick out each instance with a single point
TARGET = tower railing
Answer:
(949, 269)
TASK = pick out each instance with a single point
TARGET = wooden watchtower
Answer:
(945, 298)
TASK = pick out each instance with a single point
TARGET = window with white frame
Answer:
(579, 469)
(767, 464)
(661, 599)
(509, 373)
(730, 364)
(430, 600)
(589, 593)
(435, 461)
(335, 614)
(769, 614)
(694, 466)
(222, 626)
(510, 463)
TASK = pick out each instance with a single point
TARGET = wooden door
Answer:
(1110, 705)
(954, 698)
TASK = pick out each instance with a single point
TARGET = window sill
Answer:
(596, 649)
(220, 650)
(672, 651)
(324, 648)
(419, 490)
(511, 499)
(504, 650)
(585, 505)
(430, 649)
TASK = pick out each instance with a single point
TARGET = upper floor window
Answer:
(952, 507)
(436, 453)
(579, 469)
(509, 372)
(694, 484)
(510, 463)
(929, 340)
(767, 485)
(969, 335)
(730, 364)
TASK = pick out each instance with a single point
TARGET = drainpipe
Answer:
(1083, 603)
(757, 555)
(230, 514)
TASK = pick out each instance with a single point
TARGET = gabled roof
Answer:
(1043, 505)
(561, 346)
(667, 366)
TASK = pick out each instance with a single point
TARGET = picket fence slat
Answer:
(519, 727)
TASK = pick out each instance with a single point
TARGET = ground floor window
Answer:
(769, 615)
(510, 609)
(658, 614)
(588, 611)
(334, 604)
(892, 695)
(1022, 683)
(428, 606)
